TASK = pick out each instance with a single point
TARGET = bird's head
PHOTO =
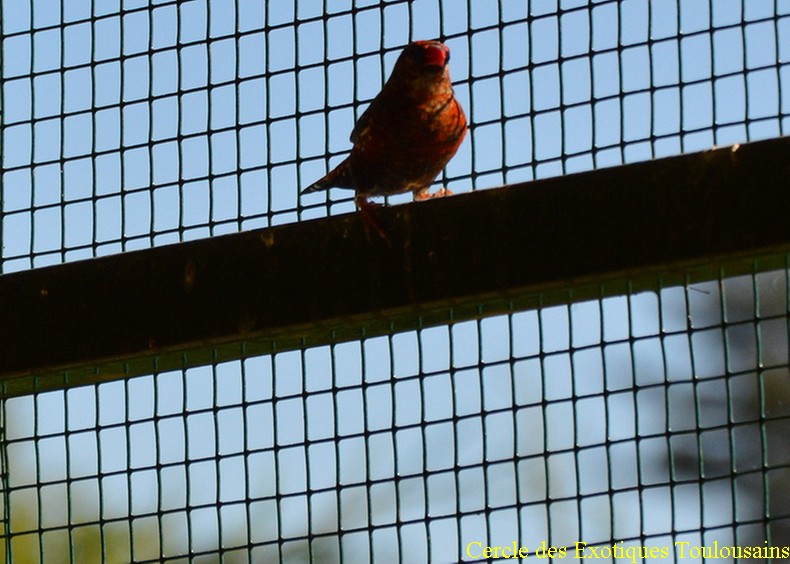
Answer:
(422, 66)
(431, 56)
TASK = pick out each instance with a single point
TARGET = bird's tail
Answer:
(338, 177)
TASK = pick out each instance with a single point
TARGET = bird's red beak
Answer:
(436, 56)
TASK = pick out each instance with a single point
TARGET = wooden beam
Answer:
(577, 237)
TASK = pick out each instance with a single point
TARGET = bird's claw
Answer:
(425, 195)
(367, 209)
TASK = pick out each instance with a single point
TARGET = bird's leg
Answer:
(425, 195)
(369, 220)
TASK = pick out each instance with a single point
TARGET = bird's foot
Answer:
(367, 209)
(425, 195)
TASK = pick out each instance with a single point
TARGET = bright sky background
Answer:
(107, 204)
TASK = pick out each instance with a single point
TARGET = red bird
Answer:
(407, 135)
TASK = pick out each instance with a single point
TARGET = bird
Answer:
(406, 136)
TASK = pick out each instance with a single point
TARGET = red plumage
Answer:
(408, 133)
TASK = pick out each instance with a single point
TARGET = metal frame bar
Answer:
(310, 283)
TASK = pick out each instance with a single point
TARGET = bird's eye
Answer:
(415, 53)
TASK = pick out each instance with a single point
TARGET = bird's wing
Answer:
(362, 128)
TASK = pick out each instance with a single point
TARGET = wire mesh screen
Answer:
(650, 420)
(133, 124)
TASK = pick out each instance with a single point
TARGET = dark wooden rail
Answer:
(609, 231)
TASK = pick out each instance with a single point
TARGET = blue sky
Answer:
(246, 134)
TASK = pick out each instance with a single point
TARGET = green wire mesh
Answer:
(642, 420)
(648, 419)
